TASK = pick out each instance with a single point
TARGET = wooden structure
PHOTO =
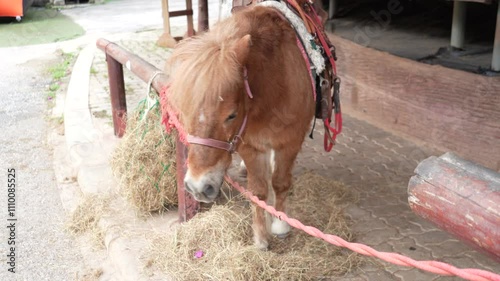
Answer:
(116, 57)
(460, 197)
(450, 109)
(457, 39)
(166, 39)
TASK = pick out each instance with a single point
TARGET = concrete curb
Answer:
(87, 154)
(78, 128)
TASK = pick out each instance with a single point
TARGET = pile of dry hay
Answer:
(144, 161)
(224, 236)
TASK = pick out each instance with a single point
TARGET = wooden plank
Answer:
(448, 109)
(180, 13)
(461, 198)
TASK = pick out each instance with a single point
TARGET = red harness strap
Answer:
(314, 21)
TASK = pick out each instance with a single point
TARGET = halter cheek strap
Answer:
(229, 146)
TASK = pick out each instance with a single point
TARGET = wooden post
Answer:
(166, 40)
(460, 197)
(189, 7)
(188, 206)
(495, 61)
(458, 24)
(117, 93)
(202, 15)
(332, 8)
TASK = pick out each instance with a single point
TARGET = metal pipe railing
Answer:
(116, 57)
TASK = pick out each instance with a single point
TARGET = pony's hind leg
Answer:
(258, 175)
(282, 181)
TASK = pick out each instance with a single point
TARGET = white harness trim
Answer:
(314, 54)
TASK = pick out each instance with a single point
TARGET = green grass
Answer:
(61, 69)
(39, 26)
(58, 72)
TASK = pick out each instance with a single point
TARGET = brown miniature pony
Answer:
(257, 48)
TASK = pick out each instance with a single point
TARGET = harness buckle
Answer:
(333, 52)
(336, 95)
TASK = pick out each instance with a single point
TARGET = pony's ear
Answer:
(242, 48)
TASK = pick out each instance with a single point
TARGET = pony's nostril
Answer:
(209, 190)
(187, 187)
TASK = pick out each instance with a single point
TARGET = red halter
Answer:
(229, 146)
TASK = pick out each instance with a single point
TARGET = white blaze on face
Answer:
(205, 187)
(202, 117)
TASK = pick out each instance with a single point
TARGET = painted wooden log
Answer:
(461, 198)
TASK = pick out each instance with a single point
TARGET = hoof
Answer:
(283, 236)
(242, 170)
(280, 228)
(261, 244)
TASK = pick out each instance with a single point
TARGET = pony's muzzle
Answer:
(207, 194)
(204, 186)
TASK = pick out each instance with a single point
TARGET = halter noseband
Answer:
(229, 146)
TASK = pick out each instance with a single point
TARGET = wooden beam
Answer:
(460, 197)
(180, 13)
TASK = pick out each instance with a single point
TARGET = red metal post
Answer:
(117, 93)
(188, 206)
(202, 15)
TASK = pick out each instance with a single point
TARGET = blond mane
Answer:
(202, 67)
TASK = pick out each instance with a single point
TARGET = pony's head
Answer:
(207, 89)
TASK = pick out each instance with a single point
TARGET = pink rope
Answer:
(431, 266)
(171, 121)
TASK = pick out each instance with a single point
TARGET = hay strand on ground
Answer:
(85, 218)
(144, 162)
(224, 235)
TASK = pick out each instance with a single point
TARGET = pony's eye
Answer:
(231, 117)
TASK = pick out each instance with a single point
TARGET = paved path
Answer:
(44, 250)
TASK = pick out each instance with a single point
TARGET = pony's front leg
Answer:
(282, 181)
(259, 176)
